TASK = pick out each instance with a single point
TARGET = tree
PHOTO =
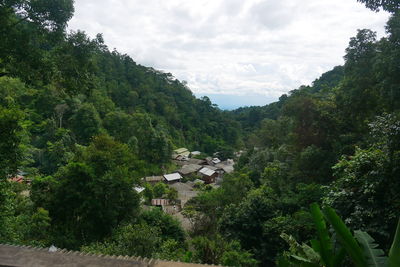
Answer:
(331, 250)
(131, 240)
(387, 5)
(120, 125)
(85, 123)
(170, 228)
(93, 194)
(363, 195)
(52, 15)
(11, 136)
(220, 251)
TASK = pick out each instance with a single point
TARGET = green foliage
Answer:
(20, 223)
(131, 240)
(390, 6)
(159, 189)
(394, 253)
(11, 134)
(324, 242)
(363, 181)
(373, 255)
(215, 251)
(86, 123)
(172, 250)
(169, 226)
(362, 253)
(91, 195)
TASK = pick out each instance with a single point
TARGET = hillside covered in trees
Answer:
(84, 124)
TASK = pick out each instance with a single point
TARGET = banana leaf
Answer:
(374, 256)
(394, 253)
(345, 237)
(325, 244)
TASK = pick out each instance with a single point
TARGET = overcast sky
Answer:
(239, 52)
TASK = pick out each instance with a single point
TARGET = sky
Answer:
(237, 52)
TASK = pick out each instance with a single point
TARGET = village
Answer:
(171, 191)
(193, 173)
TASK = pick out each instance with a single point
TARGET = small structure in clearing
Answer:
(181, 154)
(173, 177)
(208, 175)
(154, 179)
(187, 170)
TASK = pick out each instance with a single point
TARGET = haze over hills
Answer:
(227, 47)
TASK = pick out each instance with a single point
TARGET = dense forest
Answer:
(84, 124)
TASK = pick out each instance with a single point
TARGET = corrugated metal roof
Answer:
(139, 189)
(190, 168)
(207, 171)
(154, 179)
(172, 177)
(216, 160)
(181, 150)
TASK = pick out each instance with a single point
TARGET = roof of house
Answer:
(139, 189)
(206, 171)
(172, 176)
(216, 160)
(195, 153)
(227, 166)
(17, 179)
(150, 179)
(214, 168)
(196, 161)
(190, 168)
(181, 150)
(182, 157)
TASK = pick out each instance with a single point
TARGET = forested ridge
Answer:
(84, 124)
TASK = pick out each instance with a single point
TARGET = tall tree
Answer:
(387, 5)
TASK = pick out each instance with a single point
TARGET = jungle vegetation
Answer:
(85, 124)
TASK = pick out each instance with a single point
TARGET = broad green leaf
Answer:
(394, 253)
(339, 257)
(325, 243)
(373, 255)
(315, 244)
(345, 237)
(300, 261)
(283, 262)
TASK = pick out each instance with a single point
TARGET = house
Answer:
(173, 177)
(226, 166)
(216, 160)
(197, 161)
(182, 158)
(208, 175)
(181, 151)
(159, 202)
(139, 189)
(181, 154)
(195, 153)
(189, 169)
(19, 179)
(154, 179)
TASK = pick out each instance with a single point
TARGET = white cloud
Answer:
(232, 47)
